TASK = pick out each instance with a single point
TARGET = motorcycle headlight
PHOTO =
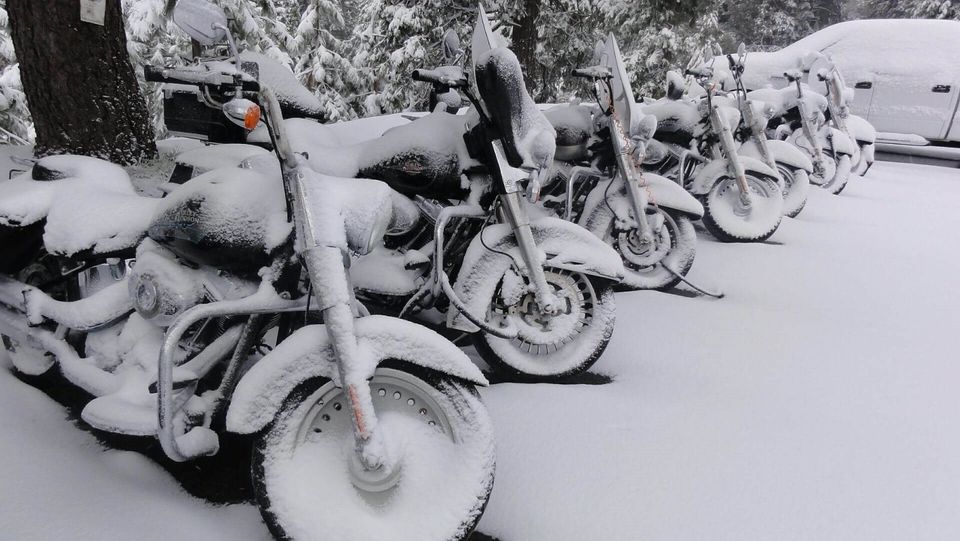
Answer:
(145, 297)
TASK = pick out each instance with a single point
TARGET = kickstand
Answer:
(717, 295)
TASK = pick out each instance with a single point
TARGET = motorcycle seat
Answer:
(83, 204)
(574, 126)
(422, 157)
(528, 138)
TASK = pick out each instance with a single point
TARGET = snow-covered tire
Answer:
(435, 426)
(675, 246)
(841, 176)
(796, 185)
(549, 355)
(829, 170)
(726, 218)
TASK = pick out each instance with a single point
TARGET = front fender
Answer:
(717, 169)
(565, 245)
(840, 142)
(782, 151)
(861, 130)
(664, 193)
(308, 353)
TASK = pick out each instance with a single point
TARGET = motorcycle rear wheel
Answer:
(309, 486)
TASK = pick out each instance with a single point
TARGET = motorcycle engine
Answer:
(163, 288)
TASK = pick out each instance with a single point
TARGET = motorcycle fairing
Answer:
(308, 353)
(565, 245)
(707, 176)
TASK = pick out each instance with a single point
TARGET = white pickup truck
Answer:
(905, 73)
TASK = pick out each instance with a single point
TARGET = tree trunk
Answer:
(80, 87)
(525, 37)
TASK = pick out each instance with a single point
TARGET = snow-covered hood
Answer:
(894, 51)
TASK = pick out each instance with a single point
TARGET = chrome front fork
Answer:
(818, 163)
(729, 148)
(327, 264)
(516, 215)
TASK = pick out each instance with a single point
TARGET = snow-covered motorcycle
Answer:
(600, 185)
(741, 195)
(800, 119)
(533, 290)
(838, 96)
(365, 427)
(792, 166)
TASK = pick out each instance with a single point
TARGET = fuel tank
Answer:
(230, 218)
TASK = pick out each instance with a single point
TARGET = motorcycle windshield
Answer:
(528, 139)
(623, 99)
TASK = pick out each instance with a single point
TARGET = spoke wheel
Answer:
(552, 346)
(674, 245)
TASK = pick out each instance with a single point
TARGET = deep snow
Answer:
(816, 401)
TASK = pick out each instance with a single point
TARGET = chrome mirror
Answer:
(201, 20)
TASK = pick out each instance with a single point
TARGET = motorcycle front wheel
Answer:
(841, 175)
(550, 347)
(674, 245)
(310, 485)
(729, 220)
(796, 185)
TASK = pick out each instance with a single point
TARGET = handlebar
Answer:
(792, 76)
(593, 72)
(434, 77)
(194, 77)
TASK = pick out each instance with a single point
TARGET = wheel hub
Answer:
(541, 332)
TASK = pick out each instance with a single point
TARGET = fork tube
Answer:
(519, 221)
(730, 151)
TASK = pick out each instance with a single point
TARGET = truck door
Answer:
(923, 107)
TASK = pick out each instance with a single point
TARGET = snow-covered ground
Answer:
(816, 401)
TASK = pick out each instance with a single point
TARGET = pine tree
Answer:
(319, 62)
(767, 24)
(15, 123)
(658, 35)
(394, 37)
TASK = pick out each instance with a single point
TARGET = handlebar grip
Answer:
(695, 72)
(153, 74)
(156, 74)
(424, 76)
(577, 72)
(436, 78)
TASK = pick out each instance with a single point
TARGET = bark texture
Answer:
(80, 87)
(525, 37)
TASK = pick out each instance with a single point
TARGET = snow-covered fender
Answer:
(491, 253)
(663, 193)
(706, 177)
(782, 151)
(861, 130)
(308, 353)
(840, 142)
